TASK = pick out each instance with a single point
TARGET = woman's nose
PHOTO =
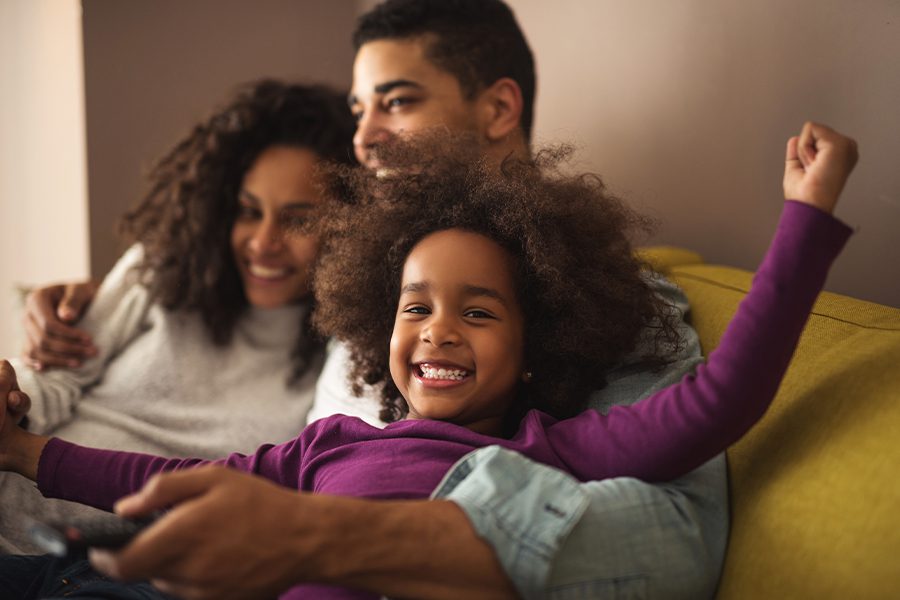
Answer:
(267, 238)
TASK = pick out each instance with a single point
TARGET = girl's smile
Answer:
(440, 374)
(458, 341)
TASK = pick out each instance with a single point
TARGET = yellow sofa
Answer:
(815, 485)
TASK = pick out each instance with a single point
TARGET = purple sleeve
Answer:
(100, 477)
(681, 427)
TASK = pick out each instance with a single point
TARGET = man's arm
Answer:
(51, 338)
(404, 549)
(551, 533)
(681, 550)
(605, 538)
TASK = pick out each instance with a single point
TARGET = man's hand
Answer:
(19, 450)
(817, 165)
(229, 535)
(232, 535)
(51, 340)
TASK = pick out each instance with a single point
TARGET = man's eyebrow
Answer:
(384, 88)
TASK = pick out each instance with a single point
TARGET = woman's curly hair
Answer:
(583, 292)
(184, 222)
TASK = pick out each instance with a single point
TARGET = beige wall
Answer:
(43, 201)
(684, 108)
(153, 68)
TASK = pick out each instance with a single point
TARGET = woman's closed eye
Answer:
(246, 212)
(294, 220)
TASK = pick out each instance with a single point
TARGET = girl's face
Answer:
(458, 342)
(278, 191)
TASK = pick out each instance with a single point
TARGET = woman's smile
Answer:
(268, 273)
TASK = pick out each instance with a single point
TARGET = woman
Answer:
(202, 326)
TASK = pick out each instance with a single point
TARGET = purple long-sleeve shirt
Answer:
(657, 439)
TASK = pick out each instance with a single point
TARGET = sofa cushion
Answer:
(815, 485)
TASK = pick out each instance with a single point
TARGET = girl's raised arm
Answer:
(683, 426)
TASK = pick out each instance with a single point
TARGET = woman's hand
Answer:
(817, 166)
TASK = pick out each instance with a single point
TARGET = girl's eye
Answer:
(478, 314)
(417, 310)
(357, 116)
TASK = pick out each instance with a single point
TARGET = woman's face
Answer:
(457, 350)
(277, 193)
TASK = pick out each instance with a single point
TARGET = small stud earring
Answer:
(526, 376)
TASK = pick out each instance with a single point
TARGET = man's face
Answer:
(397, 90)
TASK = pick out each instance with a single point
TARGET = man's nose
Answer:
(370, 131)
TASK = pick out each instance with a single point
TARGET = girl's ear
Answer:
(500, 109)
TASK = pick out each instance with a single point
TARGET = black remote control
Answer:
(68, 538)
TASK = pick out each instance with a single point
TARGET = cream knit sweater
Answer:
(159, 385)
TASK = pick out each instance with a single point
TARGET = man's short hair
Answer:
(476, 41)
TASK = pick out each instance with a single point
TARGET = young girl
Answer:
(202, 325)
(470, 289)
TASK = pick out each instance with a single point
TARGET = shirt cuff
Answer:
(523, 509)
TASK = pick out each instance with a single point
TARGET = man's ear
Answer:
(500, 107)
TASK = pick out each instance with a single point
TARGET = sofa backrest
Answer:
(815, 485)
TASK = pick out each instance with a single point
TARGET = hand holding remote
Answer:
(73, 537)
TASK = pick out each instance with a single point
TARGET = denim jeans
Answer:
(49, 577)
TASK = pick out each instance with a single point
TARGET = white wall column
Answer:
(43, 173)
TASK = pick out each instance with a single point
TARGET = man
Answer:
(502, 525)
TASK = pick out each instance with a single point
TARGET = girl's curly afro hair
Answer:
(584, 296)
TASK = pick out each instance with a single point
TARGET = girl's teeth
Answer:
(440, 373)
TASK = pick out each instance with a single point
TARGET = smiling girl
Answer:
(470, 297)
